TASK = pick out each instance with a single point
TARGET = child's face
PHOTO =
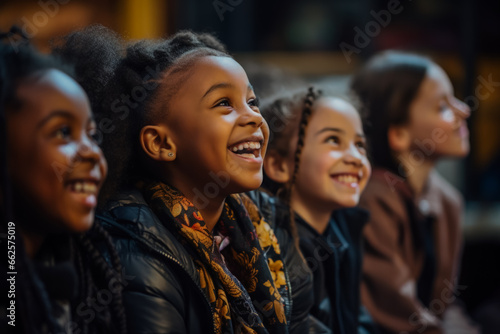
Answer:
(56, 167)
(221, 137)
(333, 168)
(437, 124)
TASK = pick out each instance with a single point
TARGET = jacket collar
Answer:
(129, 215)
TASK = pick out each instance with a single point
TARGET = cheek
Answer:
(367, 171)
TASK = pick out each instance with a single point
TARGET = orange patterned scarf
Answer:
(240, 282)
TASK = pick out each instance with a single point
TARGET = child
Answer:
(52, 170)
(316, 163)
(413, 238)
(187, 135)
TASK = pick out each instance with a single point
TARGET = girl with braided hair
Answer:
(317, 166)
(52, 170)
(184, 135)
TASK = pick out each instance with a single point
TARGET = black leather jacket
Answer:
(164, 295)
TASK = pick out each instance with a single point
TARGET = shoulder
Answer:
(141, 239)
(441, 190)
(386, 193)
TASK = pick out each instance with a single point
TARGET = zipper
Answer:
(168, 256)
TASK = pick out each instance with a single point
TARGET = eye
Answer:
(333, 140)
(361, 144)
(255, 102)
(223, 103)
(64, 132)
(93, 134)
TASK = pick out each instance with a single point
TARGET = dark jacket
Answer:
(298, 273)
(162, 294)
(336, 257)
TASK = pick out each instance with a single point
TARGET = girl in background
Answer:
(413, 238)
(52, 170)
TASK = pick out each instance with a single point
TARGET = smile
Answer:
(85, 191)
(84, 187)
(246, 149)
(349, 180)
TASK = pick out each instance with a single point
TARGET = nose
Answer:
(251, 117)
(461, 109)
(353, 156)
(89, 150)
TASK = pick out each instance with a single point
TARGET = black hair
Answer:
(34, 307)
(133, 93)
(284, 116)
(386, 86)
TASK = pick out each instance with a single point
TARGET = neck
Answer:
(417, 175)
(314, 214)
(210, 208)
(32, 242)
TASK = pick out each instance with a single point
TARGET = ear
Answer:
(276, 167)
(157, 143)
(399, 138)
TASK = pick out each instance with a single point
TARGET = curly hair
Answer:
(133, 89)
(19, 61)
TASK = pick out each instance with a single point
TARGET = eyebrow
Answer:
(62, 114)
(221, 86)
(337, 130)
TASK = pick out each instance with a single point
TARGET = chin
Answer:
(81, 224)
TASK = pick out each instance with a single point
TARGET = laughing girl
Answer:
(184, 135)
(52, 170)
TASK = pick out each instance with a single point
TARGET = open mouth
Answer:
(247, 149)
(351, 180)
(84, 187)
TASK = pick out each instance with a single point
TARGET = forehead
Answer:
(51, 90)
(435, 84)
(209, 70)
(335, 113)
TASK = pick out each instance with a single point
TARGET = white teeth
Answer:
(246, 146)
(347, 179)
(85, 187)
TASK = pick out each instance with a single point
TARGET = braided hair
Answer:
(34, 307)
(133, 93)
(284, 115)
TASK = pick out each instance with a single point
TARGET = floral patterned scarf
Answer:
(243, 280)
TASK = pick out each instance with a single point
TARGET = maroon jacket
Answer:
(394, 257)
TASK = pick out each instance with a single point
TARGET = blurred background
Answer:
(325, 41)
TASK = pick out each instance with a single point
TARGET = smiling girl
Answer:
(52, 170)
(187, 135)
(413, 238)
(317, 164)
